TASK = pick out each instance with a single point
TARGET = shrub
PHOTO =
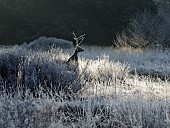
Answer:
(25, 69)
(45, 43)
(145, 30)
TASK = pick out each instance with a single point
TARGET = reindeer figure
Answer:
(79, 40)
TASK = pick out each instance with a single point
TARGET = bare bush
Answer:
(145, 30)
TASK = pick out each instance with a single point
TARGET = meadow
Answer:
(108, 88)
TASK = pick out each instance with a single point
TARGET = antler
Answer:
(77, 39)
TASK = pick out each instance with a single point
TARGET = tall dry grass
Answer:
(110, 94)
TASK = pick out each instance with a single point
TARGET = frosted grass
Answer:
(111, 95)
(144, 62)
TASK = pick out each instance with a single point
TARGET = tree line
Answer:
(101, 20)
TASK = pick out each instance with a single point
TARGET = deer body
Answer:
(74, 56)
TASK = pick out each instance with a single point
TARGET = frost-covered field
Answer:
(108, 88)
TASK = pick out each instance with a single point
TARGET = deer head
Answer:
(78, 40)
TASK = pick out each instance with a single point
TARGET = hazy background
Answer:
(101, 20)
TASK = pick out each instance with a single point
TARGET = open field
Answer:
(110, 88)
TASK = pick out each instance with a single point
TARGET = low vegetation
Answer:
(125, 85)
(109, 88)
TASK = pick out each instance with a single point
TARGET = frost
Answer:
(44, 43)
(102, 91)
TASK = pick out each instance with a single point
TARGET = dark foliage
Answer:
(101, 20)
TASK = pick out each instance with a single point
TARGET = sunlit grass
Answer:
(111, 95)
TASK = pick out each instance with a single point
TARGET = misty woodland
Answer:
(84, 64)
